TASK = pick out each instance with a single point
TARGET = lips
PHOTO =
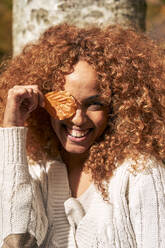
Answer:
(77, 133)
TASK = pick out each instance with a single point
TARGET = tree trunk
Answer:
(32, 17)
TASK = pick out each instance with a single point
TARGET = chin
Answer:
(75, 150)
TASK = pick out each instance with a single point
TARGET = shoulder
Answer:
(143, 176)
(140, 168)
(146, 171)
(144, 201)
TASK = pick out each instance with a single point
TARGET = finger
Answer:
(32, 92)
(41, 98)
(17, 95)
(33, 98)
(25, 98)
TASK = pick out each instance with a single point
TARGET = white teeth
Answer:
(76, 133)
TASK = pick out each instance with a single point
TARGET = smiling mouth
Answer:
(77, 134)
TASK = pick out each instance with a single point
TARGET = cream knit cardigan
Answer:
(36, 199)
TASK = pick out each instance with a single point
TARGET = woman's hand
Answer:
(21, 101)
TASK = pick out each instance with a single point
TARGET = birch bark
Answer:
(32, 17)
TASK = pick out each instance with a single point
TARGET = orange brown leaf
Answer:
(60, 105)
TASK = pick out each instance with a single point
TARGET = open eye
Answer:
(94, 106)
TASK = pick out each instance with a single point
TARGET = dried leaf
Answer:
(60, 105)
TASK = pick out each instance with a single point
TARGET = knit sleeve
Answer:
(147, 205)
(21, 201)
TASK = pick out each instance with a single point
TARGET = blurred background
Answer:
(155, 23)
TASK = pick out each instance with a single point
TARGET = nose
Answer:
(79, 118)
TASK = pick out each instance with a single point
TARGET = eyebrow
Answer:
(90, 98)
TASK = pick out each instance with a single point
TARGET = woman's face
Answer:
(79, 132)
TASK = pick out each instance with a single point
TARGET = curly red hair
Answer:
(131, 77)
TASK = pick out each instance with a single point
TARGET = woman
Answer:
(94, 179)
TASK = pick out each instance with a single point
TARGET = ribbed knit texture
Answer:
(20, 198)
(38, 201)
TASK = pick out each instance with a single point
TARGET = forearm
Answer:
(18, 196)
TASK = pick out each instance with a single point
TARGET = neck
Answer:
(74, 161)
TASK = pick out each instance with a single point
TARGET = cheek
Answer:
(55, 125)
(99, 120)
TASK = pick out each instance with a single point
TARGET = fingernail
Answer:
(43, 104)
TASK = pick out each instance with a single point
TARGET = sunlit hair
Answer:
(130, 75)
